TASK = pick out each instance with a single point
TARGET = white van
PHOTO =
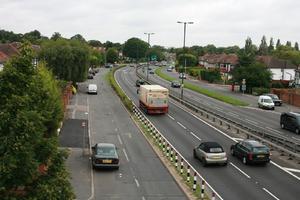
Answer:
(265, 102)
(92, 89)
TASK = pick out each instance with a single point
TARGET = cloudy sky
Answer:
(218, 22)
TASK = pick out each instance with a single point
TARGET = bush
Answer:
(194, 71)
(259, 91)
(277, 85)
(211, 75)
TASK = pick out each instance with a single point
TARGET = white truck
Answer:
(154, 99)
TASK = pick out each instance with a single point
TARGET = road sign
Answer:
(153, 58)
(244, 81)
(243, 87)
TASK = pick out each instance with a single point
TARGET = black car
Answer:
(90, 76)
(105, 155)
(251, 151)
(175, 84)
(275, 99)
(290, 121)
(139, 82)
(151, 72)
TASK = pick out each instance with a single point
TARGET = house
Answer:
(225, 62)
(3, 59)
(281, 69)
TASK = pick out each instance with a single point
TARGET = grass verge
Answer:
(212, 94)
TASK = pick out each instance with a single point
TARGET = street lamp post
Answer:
(149, 34)
(184, 33)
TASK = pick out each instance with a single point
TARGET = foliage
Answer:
(196, 88)
(96, 58)
(296, 46)
(256, 75)
(263, 47)
(78, 37)
(195, 71)
(112, 55)
(68, 59)
(9, 36)
(32, 36)
(94, 43)
(288, 53)
(271, 46)
(211, 75)
(259, 91)
(56, 36)
(135, 48)
(278, 44)
(190, 60)
(247, 55)
(155, 51)
(31, 110)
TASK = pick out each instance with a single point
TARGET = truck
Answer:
(153, 99)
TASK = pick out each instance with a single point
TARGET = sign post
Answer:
(244, 85)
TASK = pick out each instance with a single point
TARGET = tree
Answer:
(112, 55)
(190, 60)
(135, 48)
(78, 37)
(288, 53)
(9, 36)
(31, 109)
(56, 36)
(288, 43)
(256, 75)
(263, 47)
(271, 45)
(157, 52)
(96, 58)
(94, 43)
(278, 44)
(296, 46)
(247, 55)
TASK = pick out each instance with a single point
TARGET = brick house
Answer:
(225, 62)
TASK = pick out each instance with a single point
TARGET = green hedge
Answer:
(110, 77)
(211, 75)
(259, 91)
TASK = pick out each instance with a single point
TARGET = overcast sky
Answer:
(218, 22)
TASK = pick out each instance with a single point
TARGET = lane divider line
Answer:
(120, 139)
(124, 151)
(270, 194)
(137, 182)
(181, 125)
(240, 170)
(292, 170)
(193, 134)
(171, 117)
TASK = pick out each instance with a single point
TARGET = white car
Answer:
(92, 89)
(265, 102)
(182, 76)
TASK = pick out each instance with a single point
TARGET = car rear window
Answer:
(106, 151)
(260, 150)
(215, 150)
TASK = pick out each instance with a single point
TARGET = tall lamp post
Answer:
(184, 33)
(149, 34)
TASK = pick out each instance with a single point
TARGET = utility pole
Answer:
(148, 34)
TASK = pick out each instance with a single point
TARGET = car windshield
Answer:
(260, 149)
(106, 151)
(215, 150)
(268, 100)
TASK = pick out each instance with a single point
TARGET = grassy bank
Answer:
(212, 94)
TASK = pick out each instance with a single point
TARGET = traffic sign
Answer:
(153, 58)
(243, 87)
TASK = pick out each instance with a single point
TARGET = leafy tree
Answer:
(263, 47)
(69, 60)
(190, 60)
(94, 43)
(96, 58)
(271, 45)
(256, 75)
(112, 55)
(288, 53)
(288, 43)
(31, 110)
(155, 51)
(247, 55)
(9, 36)
(135, 48)
(78, 37)
(278, 44)
(56, 36)
(32, 36)
(296, 46)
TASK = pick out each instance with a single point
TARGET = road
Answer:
(251, 115)
(141, 176)
(236, 181)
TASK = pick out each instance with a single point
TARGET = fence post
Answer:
(213, 196)
(188, 174)
(202, 189)
(176, 160)
(195, 182)
(181, 166)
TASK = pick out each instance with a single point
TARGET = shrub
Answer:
(211, 75)
(259, 91)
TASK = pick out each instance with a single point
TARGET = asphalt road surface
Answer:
(141, 175)
(236, 181)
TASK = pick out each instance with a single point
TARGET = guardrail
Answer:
(285, 145)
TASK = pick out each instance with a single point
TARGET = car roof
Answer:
(264, 96)
(105, 145)
(211, 144)
(254, 143)
(292, 113)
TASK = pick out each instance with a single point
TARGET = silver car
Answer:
(210, 153)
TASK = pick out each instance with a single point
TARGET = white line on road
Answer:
(219, 109)
(143, 198)
(290, 173)
(124, 151)
(273, 129)
(295, 138)
(193, 134)
(250, 121)
(137, 182)
(233, 114)
(171, 117)
(240, 170)
(181, 125)
(119, 138)
(292, 170)
(270, 193)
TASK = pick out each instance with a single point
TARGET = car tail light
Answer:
(250, 156)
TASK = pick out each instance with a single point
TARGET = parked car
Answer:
(210, 153)
(139, 82)
(90, 76)
(275, 99)
(290, 121)
(182, 76)
(251, 151)
(265, 102)
(151, 72)
(92, 89)
(175, 84)
(169, 69)
(105, 155)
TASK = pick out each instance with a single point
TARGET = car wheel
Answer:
(204, 163)
(245, 160)
(282, 126)
(273, 108)
(232, 152)
(225, 164)
(194, 154)
(297, 130)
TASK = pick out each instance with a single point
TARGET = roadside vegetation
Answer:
(200, 90)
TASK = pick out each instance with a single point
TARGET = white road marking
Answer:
(250, 121)
(217, 108)
(292, 170)
(238, 139)
(273, 129)
(240, 170)
(124, 151)
(270, 193)
(143, 198)
(193, 134)
(181, 125)
(295, 138)
(120, 140)
(137, 182)
(290, 173)
(171, 117)
(233, 114)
